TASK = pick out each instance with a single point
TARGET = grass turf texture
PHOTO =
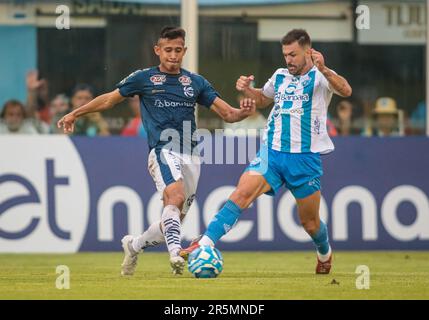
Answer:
(246, 275)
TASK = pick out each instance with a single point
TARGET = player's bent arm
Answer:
(230, 114)
(337, 83)
(256, 94)
(100, 103)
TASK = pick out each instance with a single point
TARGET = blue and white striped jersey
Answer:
(297, 122)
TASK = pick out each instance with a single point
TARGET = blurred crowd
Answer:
(40, 113)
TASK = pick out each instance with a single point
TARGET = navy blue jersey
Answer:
(167, 104)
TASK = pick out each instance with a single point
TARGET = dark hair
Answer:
(299, 35)
(172, 33)
(12, 102)
(83, 87)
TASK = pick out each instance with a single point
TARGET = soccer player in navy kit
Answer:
(168, 95)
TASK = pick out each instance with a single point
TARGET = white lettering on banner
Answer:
(287, 222)
(45, 205)
(190, 225)
(44, 195)
(265, 218)
(419, 229)
(392, 23)
(106, 204)
(340, 203)
(213, 204)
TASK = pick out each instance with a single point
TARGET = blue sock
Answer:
(223, 221)
(321, 239)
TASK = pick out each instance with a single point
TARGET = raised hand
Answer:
(244, 82)
(33, 83)
(318, 59)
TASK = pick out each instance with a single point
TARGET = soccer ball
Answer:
(205, 262)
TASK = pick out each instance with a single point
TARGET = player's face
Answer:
(296, 57)
(170, 53)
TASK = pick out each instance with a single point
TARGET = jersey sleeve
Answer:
(327, 85)
(207, 94)
(132, 85)
(268, 89)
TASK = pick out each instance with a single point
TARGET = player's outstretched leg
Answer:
(172, 234)
(250, 186)
(308, 209)
(174, 198)
(132, 246)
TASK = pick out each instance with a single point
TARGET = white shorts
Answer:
(166, 167)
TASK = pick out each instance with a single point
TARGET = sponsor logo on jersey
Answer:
(296, 111)
(316, 125)
(279, 97)
(276, 111)
(305, 80)
(157, 91)
(173, 104)
(159, 104)
(185, 80)
(188, 91)
(158, 79)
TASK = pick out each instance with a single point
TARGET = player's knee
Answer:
(311, 226)
(175, 198)
(242, 197)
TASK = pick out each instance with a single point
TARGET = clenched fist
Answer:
(244, 82)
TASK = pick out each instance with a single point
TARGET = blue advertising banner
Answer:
(60, 194)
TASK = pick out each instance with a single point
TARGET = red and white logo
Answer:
(185, 80)
(158, 79)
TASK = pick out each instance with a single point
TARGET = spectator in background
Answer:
(387, 119)
(59, 107)
(13, 119)
(38, 98)
(135, 126)
(345, 120)
(417, 119)
(91, 124)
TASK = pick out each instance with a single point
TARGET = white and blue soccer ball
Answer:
(205, 262)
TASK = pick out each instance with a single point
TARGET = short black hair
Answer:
(172, 33)
(299, 35)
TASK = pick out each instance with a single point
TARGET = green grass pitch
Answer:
(246, 275)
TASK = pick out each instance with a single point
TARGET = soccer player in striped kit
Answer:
(295, 136)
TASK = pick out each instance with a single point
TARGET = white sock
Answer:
(206, 241)
(172, 229)
(150, 238)
(324, 257)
